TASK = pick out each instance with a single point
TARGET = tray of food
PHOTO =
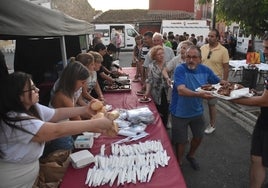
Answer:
(209, 87)
(122, 81)
(117, 88)
(232, 91)
(227, 92)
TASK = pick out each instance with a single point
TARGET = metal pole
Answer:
(214, 15)
(63, 51)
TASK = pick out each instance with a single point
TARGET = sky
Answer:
(105, 5)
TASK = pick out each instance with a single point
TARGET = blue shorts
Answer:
(179, 130)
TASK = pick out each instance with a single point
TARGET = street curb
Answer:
(236, 112)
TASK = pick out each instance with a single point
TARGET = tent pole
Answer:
(87, 41)
(63, 51)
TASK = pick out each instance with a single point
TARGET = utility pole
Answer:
(214, 15)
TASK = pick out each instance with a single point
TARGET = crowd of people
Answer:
(169, 71)
(196, 62)
(158, 69)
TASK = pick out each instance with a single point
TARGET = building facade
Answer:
(182, 5)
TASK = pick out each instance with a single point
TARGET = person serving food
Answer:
(26, 125)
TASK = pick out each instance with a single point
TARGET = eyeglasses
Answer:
(209, 54)
(33, 88)
(192, 57)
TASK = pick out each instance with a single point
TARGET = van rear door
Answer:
(119, 29)
(103, 32)
(130, 38)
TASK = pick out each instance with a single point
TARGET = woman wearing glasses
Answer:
(26, 125)
(66, 93)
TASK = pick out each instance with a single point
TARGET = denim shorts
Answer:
(64, 143)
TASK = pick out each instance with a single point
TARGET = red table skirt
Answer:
(169, 176)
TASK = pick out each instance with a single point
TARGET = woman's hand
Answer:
(107, 127)
(101, 98)
(91, 111)
(169, 82)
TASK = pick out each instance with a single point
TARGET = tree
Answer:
(251, 15)
(202, 2)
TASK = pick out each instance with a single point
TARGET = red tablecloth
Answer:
(169, 176)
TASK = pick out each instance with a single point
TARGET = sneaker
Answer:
(209, 129)
(193, 162)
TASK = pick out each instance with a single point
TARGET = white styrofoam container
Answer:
(82, 158)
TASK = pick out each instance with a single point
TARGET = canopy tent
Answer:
(21, 18)
(44, 37)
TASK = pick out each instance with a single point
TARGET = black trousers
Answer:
(163, 108)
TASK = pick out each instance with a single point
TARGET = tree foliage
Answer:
(251, 15)
(202, 2)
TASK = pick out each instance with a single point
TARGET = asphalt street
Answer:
(223, 155)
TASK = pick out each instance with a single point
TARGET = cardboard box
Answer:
(83, 141)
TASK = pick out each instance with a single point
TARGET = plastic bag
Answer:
(142, 114)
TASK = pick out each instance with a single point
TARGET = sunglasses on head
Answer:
(209, 54)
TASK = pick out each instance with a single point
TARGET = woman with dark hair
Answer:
(26, 125)
(66, 92)
(68, 88)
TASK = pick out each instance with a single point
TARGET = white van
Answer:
(197, 27)
(127, 32)
(244, 43)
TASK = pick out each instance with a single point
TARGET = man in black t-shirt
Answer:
(259, 144)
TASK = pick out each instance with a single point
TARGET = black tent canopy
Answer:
(43, 37)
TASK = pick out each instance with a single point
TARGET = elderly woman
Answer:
(26, 125)
(156, 86)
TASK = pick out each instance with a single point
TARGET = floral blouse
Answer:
(157, 82)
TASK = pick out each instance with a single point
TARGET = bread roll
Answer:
(113, 115)
(114, 131)
(103, 110)
(96, 105)
(115, 127)
(98, 115)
